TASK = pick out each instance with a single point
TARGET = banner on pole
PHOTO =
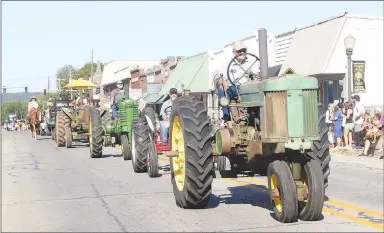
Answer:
(358, 76)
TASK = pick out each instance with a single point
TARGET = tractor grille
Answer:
(276, 115)
(123, 115)
(310, 112)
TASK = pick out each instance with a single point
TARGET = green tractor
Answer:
(119, 130)
(276, 129)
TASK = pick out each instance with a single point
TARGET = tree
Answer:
(18, 108)
(63, 75)
(85, 71)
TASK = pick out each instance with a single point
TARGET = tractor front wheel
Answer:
(313, 178)
(127, 155)
(95, 134)
(68, 135)
(283, 193)
(152, 161)
(192, 169)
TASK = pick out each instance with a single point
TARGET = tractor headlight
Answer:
(224, 101)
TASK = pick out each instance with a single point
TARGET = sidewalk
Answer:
(355, 153)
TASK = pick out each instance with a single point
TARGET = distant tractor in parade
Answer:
(276, 128)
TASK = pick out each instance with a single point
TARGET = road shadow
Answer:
(111, 155)
(80, 145)
(43, 138)
(252, 194)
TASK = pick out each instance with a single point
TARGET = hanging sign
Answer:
(358, 76)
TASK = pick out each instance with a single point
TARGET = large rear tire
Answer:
(192, 170)
(283, 192)
(320, 148)
(62, 122)
(95, 134)
(140, 145)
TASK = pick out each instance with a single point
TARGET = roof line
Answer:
(332, 51)
(365, 17)
(324, 21)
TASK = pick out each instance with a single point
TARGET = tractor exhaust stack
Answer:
(263, 53)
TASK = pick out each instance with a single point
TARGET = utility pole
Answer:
(49, 85)
(70, 81)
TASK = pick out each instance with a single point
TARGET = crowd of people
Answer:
(352, 127)
(17, 125)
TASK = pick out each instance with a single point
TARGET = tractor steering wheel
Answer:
(247, 72)
(165, 110)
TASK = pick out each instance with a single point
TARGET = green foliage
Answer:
(19, 108)
(84, 72)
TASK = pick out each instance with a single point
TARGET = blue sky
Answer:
(40, 37)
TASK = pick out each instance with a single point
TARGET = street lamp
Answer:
(349, 43)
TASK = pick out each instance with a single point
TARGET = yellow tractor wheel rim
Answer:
(178, 145)
(90, 134)
(276, 200)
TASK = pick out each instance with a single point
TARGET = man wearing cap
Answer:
(165, 112)
(237, 69)
(118, 95)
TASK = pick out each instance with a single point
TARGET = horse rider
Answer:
(237, 70)
(118, 95)
(32, 104)
(165, 112)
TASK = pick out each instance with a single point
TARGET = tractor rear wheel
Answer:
(313, 177)
(320, 148)
(283, 193)
(62, 122)
(192, 170)
(95, 134)
(140, 143)
(127, 154)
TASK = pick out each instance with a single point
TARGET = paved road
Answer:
(46, 188)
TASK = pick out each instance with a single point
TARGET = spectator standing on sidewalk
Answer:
(348, 128)
(380, 143)
(337, 124)
(358, 112)
(329, 116)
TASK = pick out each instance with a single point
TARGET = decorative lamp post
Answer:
(349, 43)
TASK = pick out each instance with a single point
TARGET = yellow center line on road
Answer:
(325, 209)
(330, 201)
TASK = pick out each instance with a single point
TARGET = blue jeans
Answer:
(115, 113)
(164, 126)
(231, 93)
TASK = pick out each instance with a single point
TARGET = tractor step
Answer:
(171, 154)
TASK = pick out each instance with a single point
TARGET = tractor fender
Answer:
(150, 123)
(67, 112)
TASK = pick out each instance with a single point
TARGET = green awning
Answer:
(152, 97)
(192, 72)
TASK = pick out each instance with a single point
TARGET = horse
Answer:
(34, 116)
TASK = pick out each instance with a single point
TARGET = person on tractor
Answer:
(165, 112)
(241, 71)
(117, 96)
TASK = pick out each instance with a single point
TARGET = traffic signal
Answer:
(26, 89)
(45, 91)
(4, 90)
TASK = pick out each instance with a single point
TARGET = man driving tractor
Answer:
(165, 112)
(241, 71)
(117, 96)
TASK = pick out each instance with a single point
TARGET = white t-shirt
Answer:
(358, 112)
(32, 104)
